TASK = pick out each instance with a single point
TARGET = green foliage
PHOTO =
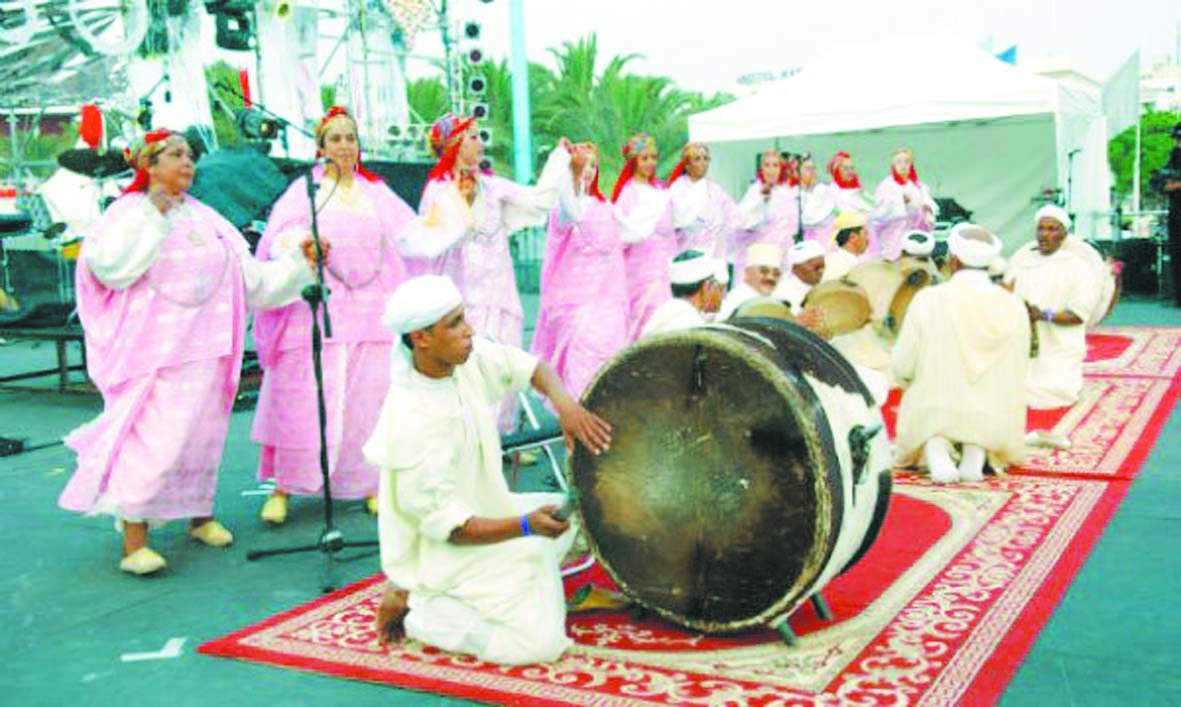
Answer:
(578, 103)
(224, 102)
(1155, 144)
(38, 152)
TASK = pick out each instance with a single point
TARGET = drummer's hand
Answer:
(308, 247)
(542, 522)
(162, 200)
(812, 319)
(590, 429)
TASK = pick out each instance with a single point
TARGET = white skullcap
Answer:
(694, 266)
(918, 243)
(974, 245)
(1055, 212)
(997, 267)
(419, 303)
(804, 251)
(768, 254)
(848, 219)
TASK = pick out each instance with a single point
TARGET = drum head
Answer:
(721, 499)
(845, 305)
(881, 280)
(912, 281)
(716, 504)
(765, 307)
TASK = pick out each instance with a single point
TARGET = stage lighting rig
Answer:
(477, 85)
(479, 110)
(256, 125)
(471, 30)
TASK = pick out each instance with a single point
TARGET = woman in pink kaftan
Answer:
(163, 286)
(817, 205)
(704, 215)
(363, 219)
(582, 322)
(847, 193)
(901, 204)
(769, 210)
(644, 214)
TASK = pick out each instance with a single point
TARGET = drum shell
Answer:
(719, 538)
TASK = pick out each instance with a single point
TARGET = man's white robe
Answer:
(1064, 280)
(437, 445)
(673, 315)
(735, 298)
(962, 357)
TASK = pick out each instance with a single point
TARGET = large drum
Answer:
(890, 288)
(748, 468)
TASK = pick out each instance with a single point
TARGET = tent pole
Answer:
(1136, 170)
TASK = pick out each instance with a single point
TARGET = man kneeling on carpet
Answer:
(962, 356)
(473, 567)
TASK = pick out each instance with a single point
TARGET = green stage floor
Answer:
(69, 615)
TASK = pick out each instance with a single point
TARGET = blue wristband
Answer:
(1048, 314)
(525, 526)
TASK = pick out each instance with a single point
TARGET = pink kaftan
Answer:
(362, 225)
(705, 217)
(582, 322)
(645, 218)
(162, 300)
(894, 216)
(768, 220)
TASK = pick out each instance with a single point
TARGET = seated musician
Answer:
(917, 252)
(961, 357)
(852, 242)
(806, 260)
(473, 567)
(759, 277)
(698, 282)
(1061, 286)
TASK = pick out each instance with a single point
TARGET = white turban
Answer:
(419, 303)
(804, 251)
(918, 243)
(1055, 212)
(695, 266)
(975, 246)
(768, 254)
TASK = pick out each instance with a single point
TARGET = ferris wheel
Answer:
(109, 27)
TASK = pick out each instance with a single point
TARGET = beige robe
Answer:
(837, 264)
(437, 445)
(735, 298)
(962, 356)
(1065, 280)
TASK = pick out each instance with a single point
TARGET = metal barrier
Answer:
(528, 247)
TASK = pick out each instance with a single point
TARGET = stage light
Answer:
(471, 30)
(474, 56)
(396, 131)
(256, 125)
(232, 31)
(480, 110)
(485, 135)
(477, 84)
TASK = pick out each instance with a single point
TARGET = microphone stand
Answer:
(331, 540)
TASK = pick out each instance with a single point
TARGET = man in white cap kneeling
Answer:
(698, 283)
(762, 273)
(961, 357)
(1062, 280)
(473, 567)
(806, 260)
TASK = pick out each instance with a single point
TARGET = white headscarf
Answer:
(1055, 212)
(419, 303)
(804, 251)
(974, 245)
(918, 243)
(696, 269)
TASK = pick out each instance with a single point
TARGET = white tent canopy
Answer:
(986, 133)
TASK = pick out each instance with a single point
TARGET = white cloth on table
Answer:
(437, 445)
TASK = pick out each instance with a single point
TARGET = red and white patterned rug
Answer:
(940, 612)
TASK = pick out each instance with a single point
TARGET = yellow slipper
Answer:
(371, 505)
(212, 533)
(275, 509)
(143, 561)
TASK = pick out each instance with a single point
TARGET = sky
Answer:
(706, 46)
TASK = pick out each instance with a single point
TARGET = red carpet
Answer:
(941, 611)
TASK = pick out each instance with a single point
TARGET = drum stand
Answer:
(823, 612)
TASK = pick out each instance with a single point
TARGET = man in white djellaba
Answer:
(961, 358)
(473, 567)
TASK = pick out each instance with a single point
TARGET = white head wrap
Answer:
(918, 243)
(768, 254)
(974, 245)
(420, 302)
(697, 268)
(804, 251)
(1055, 212)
